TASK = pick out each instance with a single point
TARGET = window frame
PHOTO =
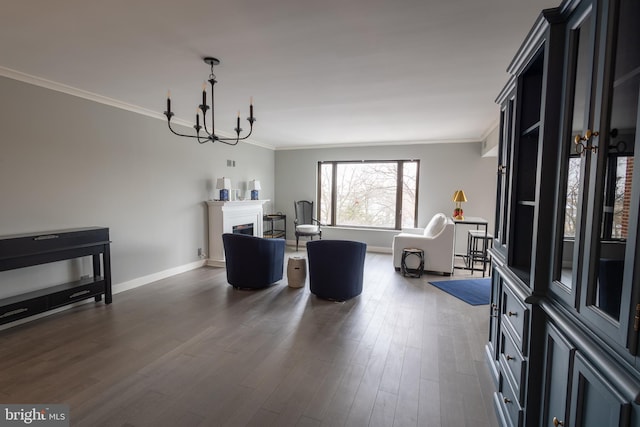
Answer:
(399, 191)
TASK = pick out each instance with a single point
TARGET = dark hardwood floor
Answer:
(192, 351)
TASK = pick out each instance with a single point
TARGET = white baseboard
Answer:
(379, 249)
(145, 280)
(303, 245)
(115, 289)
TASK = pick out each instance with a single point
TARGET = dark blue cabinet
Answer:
(493, 347)
(594, 401)
(559, 357)
(563, 341)
(597, 201)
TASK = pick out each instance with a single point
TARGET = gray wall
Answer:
(444, 168)
(69, 162)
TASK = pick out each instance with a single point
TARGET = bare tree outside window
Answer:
(326, 183)
(409, 195)
(366, 194)
(620, 208)
(573, 196)
(380, 194)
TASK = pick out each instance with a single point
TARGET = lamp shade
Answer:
(459, 196)
(223, 183)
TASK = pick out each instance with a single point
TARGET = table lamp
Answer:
(223, 184)
(254, 186)
(459, 197)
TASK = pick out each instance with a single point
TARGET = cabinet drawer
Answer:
(76, 293)
(22, 309)
(513, 365)
(515, 317)
(510, 407)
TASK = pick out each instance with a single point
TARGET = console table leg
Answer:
(106, 259)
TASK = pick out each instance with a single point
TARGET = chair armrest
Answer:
(418, 231)
(438, 250)
(417, 241)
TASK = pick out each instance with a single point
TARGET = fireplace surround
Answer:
(224, 216)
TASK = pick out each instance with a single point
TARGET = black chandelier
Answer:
(209, 134)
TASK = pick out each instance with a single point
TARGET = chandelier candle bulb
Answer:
(169, 101)
(251, 107)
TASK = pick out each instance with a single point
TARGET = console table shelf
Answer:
(26, 250)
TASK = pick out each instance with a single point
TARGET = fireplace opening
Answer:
(243, 229)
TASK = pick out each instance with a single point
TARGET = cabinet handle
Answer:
(581, 146)
(13, 312)
(507, 400)
(46, 237)
(494, 308)
(510, 357)
(512, 313)
(77, 294)
(557, 422)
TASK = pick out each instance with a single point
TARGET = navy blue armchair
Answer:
(253, 262)
(336, 268)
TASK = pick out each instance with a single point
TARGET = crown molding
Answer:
(70, 90)
(378, 144)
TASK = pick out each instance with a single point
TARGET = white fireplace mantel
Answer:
(223, 216)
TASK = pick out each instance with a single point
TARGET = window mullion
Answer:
(334, 191)
(399, 175)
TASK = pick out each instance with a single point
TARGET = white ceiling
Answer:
(321, 72)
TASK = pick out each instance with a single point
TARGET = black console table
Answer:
(25, 250)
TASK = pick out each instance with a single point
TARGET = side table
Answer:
(270, 231)
(296, 271)
(407, 253)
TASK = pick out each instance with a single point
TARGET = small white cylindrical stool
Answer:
(296, 271)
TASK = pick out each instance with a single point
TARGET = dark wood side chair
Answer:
(305, 224)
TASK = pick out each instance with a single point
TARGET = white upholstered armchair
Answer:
(436, 240)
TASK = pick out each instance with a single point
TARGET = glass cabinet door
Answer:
(612, 231)
(504, 166)
(597, 207)
(580, 46)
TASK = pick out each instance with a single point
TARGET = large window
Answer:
(378, 194)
